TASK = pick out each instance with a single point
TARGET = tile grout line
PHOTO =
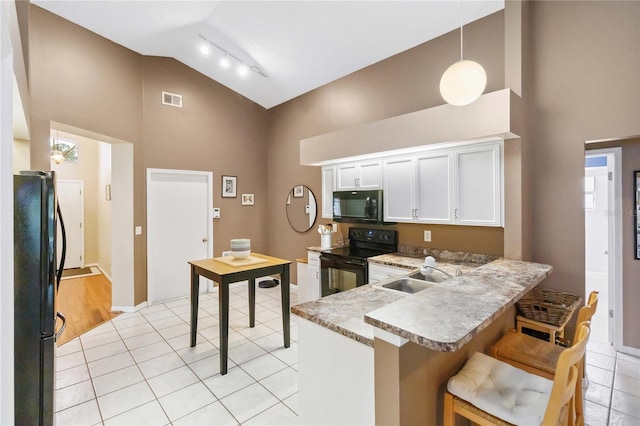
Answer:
(174, 350)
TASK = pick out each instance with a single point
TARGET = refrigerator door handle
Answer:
(64, 325)
(64, 248)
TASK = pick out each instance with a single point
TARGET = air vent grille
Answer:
(172, 99)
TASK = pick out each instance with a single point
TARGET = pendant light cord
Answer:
(461, 35)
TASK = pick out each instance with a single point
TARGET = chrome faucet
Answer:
(425, 271)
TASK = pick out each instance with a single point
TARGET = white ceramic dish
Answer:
(243, 254)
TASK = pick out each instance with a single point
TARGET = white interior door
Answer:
(179, 229)
(603, 243)
(71, 199)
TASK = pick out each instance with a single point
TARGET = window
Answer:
(65, 150)
(590, 193)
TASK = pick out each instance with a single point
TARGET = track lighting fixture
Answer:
(227, 58)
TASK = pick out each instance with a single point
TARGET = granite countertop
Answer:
(344, 312)
(414, 262)
(320, 249)
(443, 317)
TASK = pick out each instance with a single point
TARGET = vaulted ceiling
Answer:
(289, 47)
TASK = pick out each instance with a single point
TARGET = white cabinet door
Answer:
(434, 188)
(346, 175)
(328, 186)
(383, 272)
(360, 175)
(399, 189)
(370, 175)
(313, 269)
(478, 186)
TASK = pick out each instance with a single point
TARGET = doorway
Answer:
(602, 238)
(71, 200)
(179, 229)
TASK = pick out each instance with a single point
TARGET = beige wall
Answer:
(85, 81)
(401, 84)
(582, 80)
(104, 208)
(470, 239)
(21, 155)
(630, 265)
(86, 170)
(585, 85)
(217, 130)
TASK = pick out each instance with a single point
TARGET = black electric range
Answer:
(344, 268)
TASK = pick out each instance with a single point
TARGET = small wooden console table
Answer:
(224, 274)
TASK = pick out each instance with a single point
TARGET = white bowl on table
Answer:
(240, 248)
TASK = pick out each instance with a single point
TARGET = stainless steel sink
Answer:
(434, 277)
(408, 285)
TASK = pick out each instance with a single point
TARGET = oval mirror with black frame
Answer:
(301, 208)
(636, 212)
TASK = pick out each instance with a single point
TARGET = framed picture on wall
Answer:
(229, 186)
(298, 191)
(248, 200)
(636, 212)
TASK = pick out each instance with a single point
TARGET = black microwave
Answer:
(358, 207)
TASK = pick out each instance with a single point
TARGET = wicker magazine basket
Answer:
(548, 306)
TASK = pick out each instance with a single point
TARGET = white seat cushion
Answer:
(502, 390)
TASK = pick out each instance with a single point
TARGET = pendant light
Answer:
(463, 82)
(56, 155)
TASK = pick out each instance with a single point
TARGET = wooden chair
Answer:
(540, 357)
(488, 391)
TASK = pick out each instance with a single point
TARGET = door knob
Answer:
(204, 240)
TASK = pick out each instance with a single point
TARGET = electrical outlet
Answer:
(427, 236)
(226, 253)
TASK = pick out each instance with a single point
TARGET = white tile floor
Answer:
(139, 369)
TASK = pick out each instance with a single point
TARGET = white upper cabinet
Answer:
(359, 175)
(478, 186)
(328, 186)
(434, 188)
(460, 185)
(399, 189)
(418, 188)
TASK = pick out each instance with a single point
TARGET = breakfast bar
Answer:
(225, 271)
(402, 347)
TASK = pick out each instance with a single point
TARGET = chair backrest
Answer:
(565, 379)
(587, 311)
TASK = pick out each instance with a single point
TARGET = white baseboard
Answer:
(107, 276)
(129, 308)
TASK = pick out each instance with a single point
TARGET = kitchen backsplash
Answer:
(446, 254)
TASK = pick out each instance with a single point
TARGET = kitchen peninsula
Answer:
(386, 355)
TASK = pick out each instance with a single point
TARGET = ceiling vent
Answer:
(172, 99)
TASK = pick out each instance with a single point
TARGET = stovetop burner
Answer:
(354, 252)
(364, 243)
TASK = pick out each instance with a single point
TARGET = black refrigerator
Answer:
(36, 281)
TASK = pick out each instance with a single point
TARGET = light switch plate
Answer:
(427, 235)
(138, 230)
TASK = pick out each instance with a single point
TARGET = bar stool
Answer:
(488, 391)
(540, 357)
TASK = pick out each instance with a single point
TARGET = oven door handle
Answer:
(349, 262)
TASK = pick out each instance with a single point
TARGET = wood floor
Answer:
(85, 302)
